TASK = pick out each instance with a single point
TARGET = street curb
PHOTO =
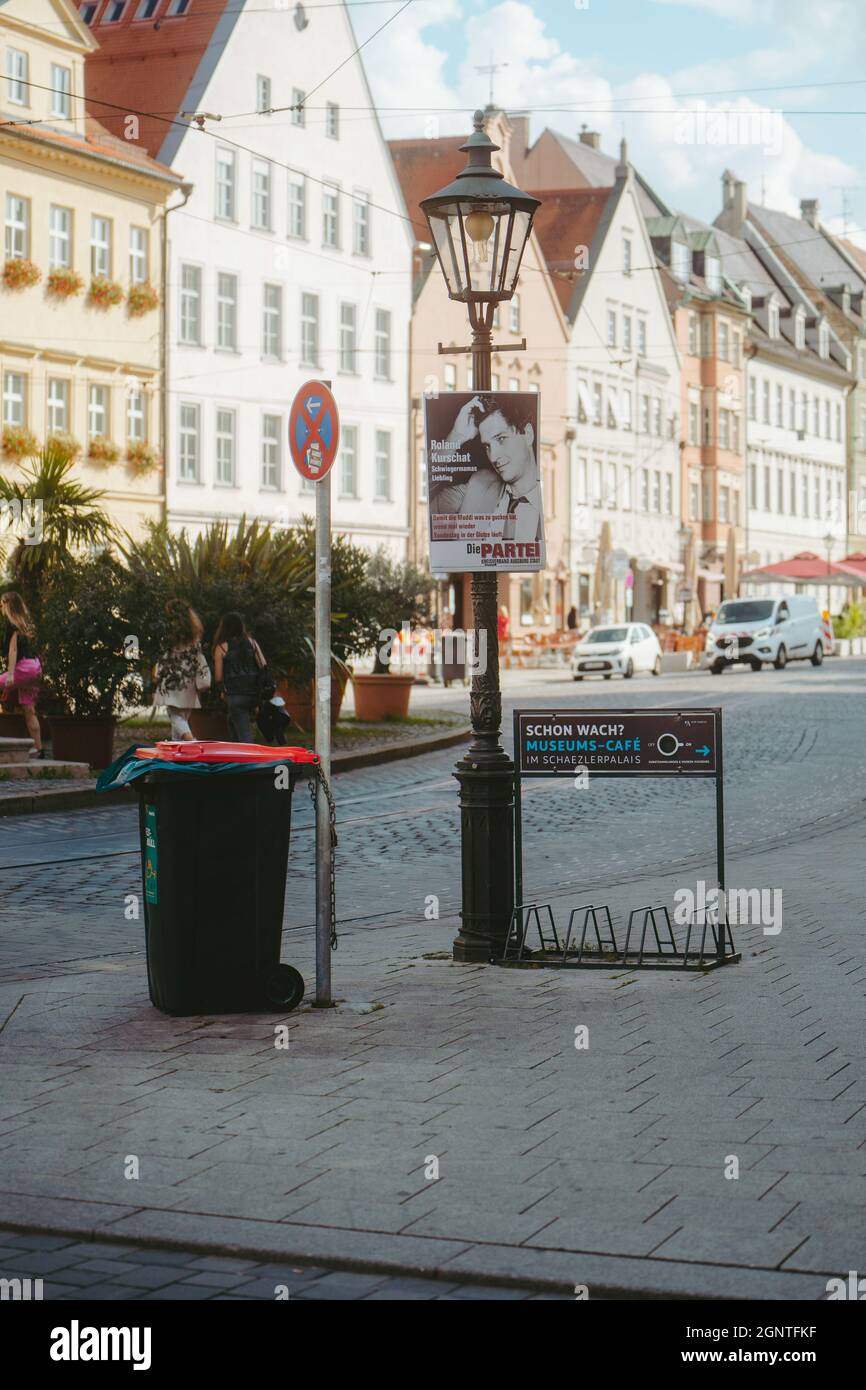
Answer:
(88, 797)
(464, 1261)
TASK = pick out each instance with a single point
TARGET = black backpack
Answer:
(240, 669)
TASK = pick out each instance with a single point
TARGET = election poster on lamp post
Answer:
(484, 482)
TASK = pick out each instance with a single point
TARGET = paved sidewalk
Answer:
(603, 1167)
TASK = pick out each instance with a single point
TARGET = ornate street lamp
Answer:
(479, 225)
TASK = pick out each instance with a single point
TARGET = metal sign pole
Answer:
(324, 848)
(720, 839)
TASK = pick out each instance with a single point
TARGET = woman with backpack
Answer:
(237, 662)
(23, 667)
(183, 671)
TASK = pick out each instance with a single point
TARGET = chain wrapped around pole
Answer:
(320, 780)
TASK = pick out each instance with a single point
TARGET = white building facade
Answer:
(290, 261)
(624, 379)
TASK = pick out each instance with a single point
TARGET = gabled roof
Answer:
(598, 170)
(808, 248)
(423, 166)
(96, 143)
(856, 253)
(568, 218)
(151, 65)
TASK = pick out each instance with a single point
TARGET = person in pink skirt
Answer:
(23, 667)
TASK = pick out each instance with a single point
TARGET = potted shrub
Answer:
(141, 457)
(395, 592)
(20, 274)
(104, 293)
(141, 299)
(63, 283)
(18, 443)
(64, 445)
(102, 450)
(83, 627)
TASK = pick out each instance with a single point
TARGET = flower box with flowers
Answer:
(20, 274)
(102, 450)
(141, 299)
(63, 283)
(104, 293)
(142, 457)
(18, 442)
(62, 443)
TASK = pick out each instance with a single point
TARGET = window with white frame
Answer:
(449, 375)
(694, 501)
(178, 7)
(61, 91)
(298, 113)
(310, 330)
(383, 466)
(657, 416)
(753, 487)
(800, 330)
(626, 487)
(383, 344)
(724, 340)
(694, 424)
(780, 405)
(361, 224)
(332, 120)
(272, 435)
(611, 327)
(514, 314)
(626, 255)
(58, 404)
(17, 227)
(816, 416)
(773, 320)
(680, 260)
(766, 401)
(626, 332)
(190, 305)
(792, 409)
(297, 204)
(349, 461)
(114, 11)
(838, 421)
(641, 337)
(816, 494)
(59, 237)
(331, 216)
(227, 311)
(261, 212)
(805, 493)
(693, 335)
(768, 489)
(17, 74)
(644, 414)
(136, 419)
(724, 504)
(97, 411)
(146, 9)
(597, 403)
(707, 514)
(612, 409)
(669, 494)
(263, 94)
(189, 450)
(708, 421)
(348, 338)
(713, 274)
(735, 432)
(804, 412)
(626, 398)
(138, 255)
(753, 398)
(644, 490)
(225, 447)
(657, 490)
(272, 321)
(14, 399)
(100, 247)
(87, 12)
(597, 482)
(792, 491)
(226, 185)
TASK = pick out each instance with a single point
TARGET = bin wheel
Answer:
(283, 987)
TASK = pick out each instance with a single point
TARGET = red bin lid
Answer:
(216, 752)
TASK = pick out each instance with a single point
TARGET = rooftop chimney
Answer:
(590, 137)
(809, 211)
(734, 205)
(623, 169)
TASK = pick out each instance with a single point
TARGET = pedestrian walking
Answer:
(182, 673)
(23, 666)
(238, 661)
(571, 620)
(503, 632)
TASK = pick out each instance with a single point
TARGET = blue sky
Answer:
(680, 78)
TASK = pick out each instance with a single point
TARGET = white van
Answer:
(755, 630)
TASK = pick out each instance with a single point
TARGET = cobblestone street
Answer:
(557, 1165)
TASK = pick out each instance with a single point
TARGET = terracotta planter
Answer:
(381, 697)
(209, 724)
(83, 740)
(301, 705)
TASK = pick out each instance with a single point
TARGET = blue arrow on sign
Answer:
(705, 752)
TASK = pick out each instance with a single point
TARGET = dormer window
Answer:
(746, 295)
(823, 340)
(713, 274)
(800, 330)
(773, 320)
(680, 260)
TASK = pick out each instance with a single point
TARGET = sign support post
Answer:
(324, 848)
(314, 434)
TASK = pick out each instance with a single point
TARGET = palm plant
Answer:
(65, 517)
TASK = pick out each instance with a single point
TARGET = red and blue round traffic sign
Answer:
(314, 430)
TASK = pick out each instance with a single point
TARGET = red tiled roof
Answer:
(148, 66)
(567, 218)
(423, 166)
(855, 252)
(99, 143)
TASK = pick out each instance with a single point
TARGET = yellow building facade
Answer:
(81, 274)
